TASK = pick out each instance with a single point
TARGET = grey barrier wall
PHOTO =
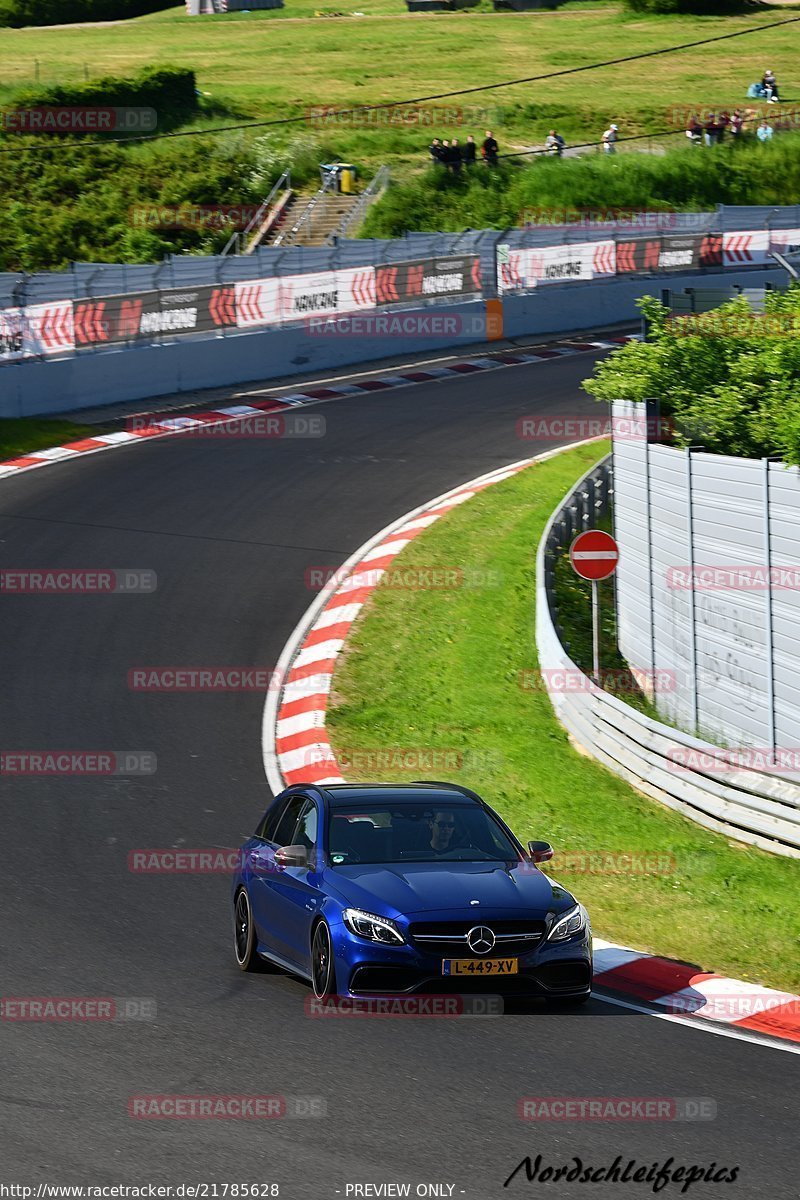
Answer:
(106, 376)
(683, 772)
(708, 587)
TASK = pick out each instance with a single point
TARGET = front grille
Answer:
(450, 937)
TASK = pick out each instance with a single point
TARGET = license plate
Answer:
(480, 966)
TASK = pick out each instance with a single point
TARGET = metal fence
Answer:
(708, 590)
(93, 280)
(90, 280)
(98, 306)
(683, 772)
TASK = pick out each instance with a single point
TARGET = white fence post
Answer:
(692, 607)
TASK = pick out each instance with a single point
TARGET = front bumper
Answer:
(367, 969)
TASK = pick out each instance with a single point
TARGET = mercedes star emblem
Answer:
(480, 939)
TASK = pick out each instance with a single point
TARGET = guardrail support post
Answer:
(692, 613)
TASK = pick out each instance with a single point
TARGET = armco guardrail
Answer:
(684, 773)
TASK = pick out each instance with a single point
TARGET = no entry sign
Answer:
(594, 555)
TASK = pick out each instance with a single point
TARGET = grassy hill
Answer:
(290, 63)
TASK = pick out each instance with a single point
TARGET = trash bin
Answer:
(347, 178)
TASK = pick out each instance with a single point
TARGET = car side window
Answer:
(269, 822)
(306, 832)
(288, 823)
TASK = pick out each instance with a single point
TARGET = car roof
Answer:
(397, 793)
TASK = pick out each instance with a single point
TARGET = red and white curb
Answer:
(296, 749)
(159, 426)
(680, 989)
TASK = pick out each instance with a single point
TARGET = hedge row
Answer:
(16, 13)
(171, 91)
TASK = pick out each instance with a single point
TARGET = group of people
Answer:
(714, 129)
(450, 154)
(711, 131)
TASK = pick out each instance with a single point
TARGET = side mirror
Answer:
(291, 856)
(539, 851)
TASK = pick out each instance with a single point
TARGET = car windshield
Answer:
(421, 832)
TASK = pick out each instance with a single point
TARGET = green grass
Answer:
(25, 434)
(284, 62)
(440, 669)
(538, 191)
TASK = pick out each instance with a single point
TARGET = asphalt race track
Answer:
(230, 527)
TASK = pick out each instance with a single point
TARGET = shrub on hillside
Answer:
(696, 8)
(171, 91)
(16, 13)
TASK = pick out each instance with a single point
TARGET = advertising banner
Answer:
(428, 279)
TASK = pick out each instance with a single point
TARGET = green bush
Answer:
(697, 8)
(171, 91)
(728, 380)
(94, 205)
(16, 13)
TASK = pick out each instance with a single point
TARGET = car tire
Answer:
(244, 934)
(323, 974)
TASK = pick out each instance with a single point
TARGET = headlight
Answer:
(572, 922)
(374, 929)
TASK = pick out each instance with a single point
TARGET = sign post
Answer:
(594, 556)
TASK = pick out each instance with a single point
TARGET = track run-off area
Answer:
(233, 530)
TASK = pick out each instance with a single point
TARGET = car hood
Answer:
(431, 887)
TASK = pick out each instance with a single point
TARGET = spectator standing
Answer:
(435, 150)
(469, 151)
(455, 157)
(737, 122)
(554, 143)
(489, 149)
(764, 132)
(610, 140)
(711, 130)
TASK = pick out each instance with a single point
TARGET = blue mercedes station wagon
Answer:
(390, 889)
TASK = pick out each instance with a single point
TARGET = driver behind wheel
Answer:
(442, 826)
